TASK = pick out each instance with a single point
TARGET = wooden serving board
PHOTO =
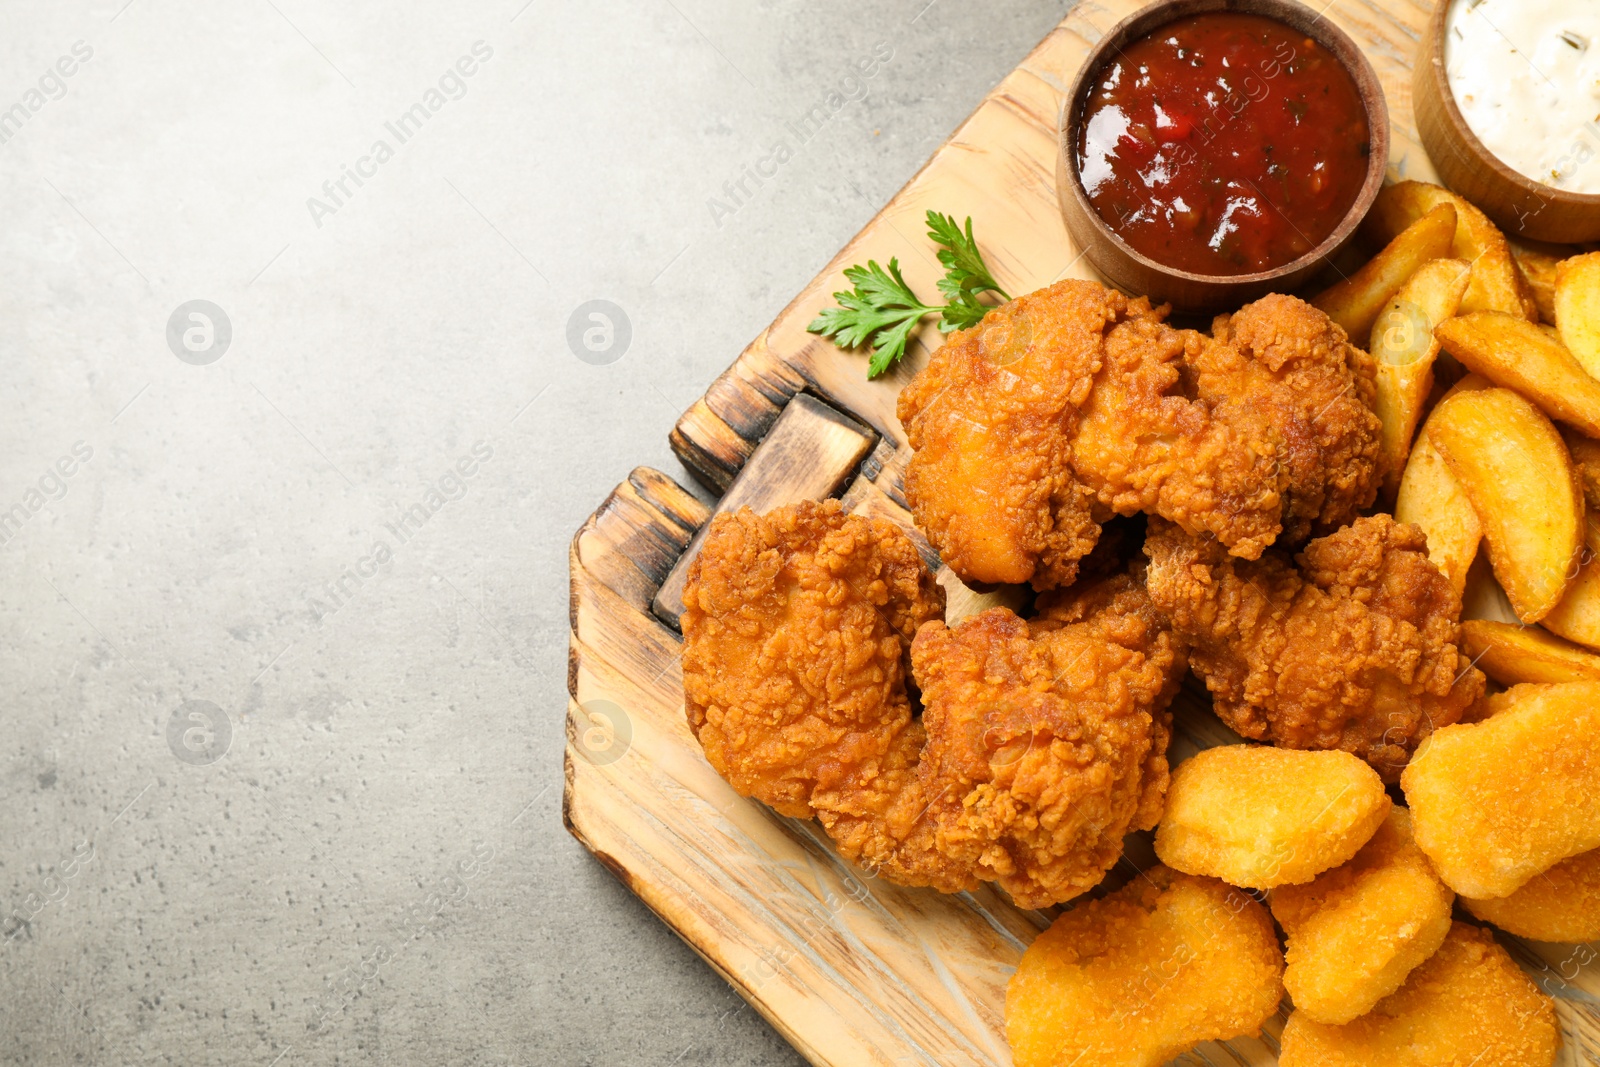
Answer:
(850, 969)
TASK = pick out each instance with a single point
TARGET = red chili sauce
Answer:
(1223, 144)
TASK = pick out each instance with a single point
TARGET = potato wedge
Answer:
(1577, 309)
(1514, 353)
(1540, 271)
(1515, 469)
(1404, 347)
(1431, 498)
(1586, 456)
(1577, 617)
(1356, 302)
(1514, 654)
(1497, 282)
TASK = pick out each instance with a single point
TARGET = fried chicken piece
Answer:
(1264, 817)
(1050, 734)
(1144, 974)
(991, 418)
(1263, 430)
(797, 628)
(1498, 802)
(1356, 648)
(1562, 904)
(1469, 1005)
(1073, 403)
(1284, 369)
(1041, 745)
(1358, 930)
(1148, 441)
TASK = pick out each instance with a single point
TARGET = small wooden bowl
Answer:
(1516, 203)
(1136, 273)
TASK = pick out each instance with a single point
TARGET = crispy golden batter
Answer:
(1072, 403)
(1264, 817)
(1355, 649)
(1157, 436)
(1358, 930)
(1266, 426)
(1495, 803)
(1148, 972)
(1050, 735)
(1283, 369)
(1041, 744)
(991, 418)
(797, 629)
(1562, 904)
(1468, 1006)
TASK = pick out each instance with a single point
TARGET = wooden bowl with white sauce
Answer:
(1551, 122)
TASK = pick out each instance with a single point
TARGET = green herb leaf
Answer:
(963, 312)
(965, 270)
(880, 311)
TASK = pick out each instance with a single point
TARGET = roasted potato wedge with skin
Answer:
(1577, 309)
(1403, 345)
(1430, 497)
(1515, 469)
(1516, 354)
(1562, 904)
(1356, 302)
(1577, 617)
(1540, 272)
(1263, 817)
(1497, 282)
(1497, 802)
(1512, 654)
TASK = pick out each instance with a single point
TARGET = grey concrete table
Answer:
(304, 397)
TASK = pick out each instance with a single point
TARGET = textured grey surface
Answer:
(374, 870)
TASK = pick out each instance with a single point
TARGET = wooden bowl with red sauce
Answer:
(1225, 157)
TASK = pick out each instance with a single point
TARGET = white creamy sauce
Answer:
(1526, 75)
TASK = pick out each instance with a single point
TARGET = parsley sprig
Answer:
(882, 310)
(966, 274)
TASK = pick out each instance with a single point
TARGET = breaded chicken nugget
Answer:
(1467, 1006)
(1562, 904)
(1162, 964)
(1264, 817)
(1494, 803)
(1358, 930)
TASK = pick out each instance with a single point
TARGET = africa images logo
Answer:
(199, 332)
(199, 732)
